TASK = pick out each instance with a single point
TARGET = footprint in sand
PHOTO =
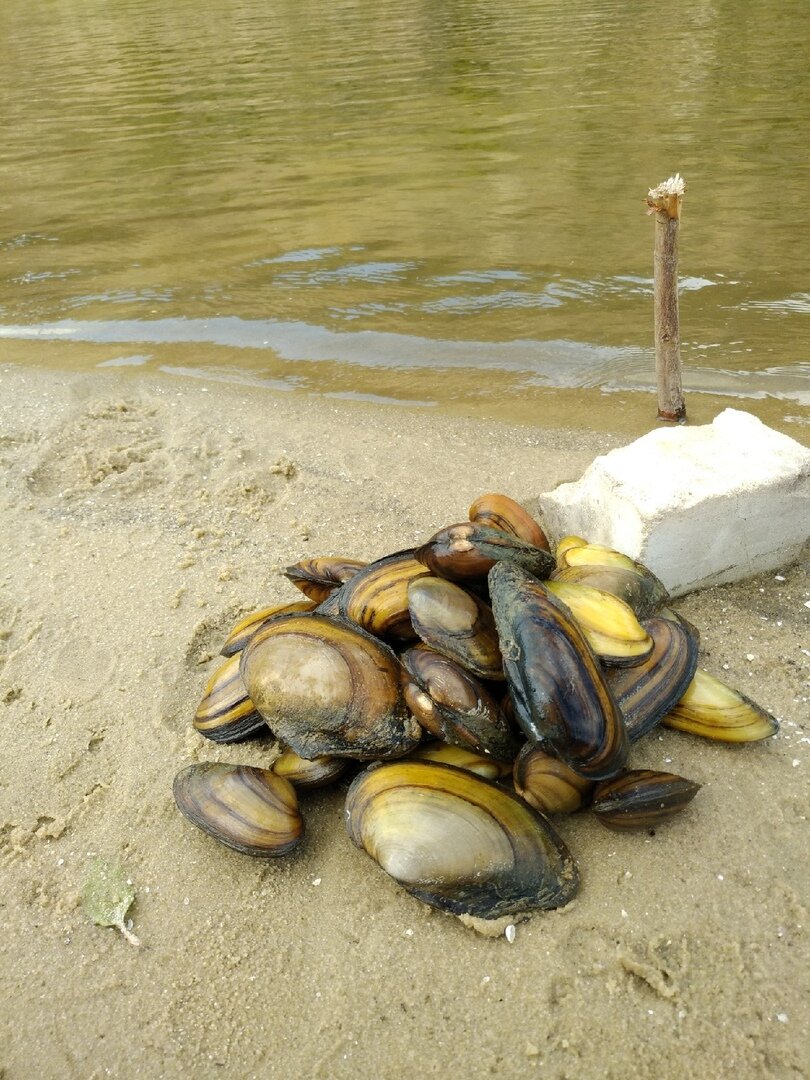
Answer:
(112, 448)
(81, 669)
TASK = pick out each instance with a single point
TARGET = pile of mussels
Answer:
(453, 667)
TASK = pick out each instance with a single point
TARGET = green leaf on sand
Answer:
(107, 897)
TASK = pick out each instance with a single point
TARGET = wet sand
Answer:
(140, 520)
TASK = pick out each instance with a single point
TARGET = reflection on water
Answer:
(422, 193)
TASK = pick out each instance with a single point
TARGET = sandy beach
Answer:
(140, 520)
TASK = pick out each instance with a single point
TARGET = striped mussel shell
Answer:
(326, 687)
(547, 783)
(647, 692)
(249, 809)
(642, 799)
(303, 773)
(442, 753)
(500, 512)
(226, 713)
(457, 624)
(611, 627)
(676, 616)
(457, 841)
(245, 628)
(715, 710)
(559, 691)
(451, 704)
(467, 551)
(609, 570)
(376, 597)
(321, 575)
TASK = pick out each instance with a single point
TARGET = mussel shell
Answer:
(557, 685)
(467, 551)
(442, 753)
(564, 544)
(676, 616)
(611, 627)
(320, 576)
(376, 597)
(500, 512)
(647, 692)
(452, 704)
(249, 809)
(547, 783)
(457, 624)
(711, 708)
(327, 687)
(458, 842)
(633, 583)
(245, 628)
(642, 799)
(226, 713)
(306, 774)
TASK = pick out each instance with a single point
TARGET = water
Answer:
(439, 203)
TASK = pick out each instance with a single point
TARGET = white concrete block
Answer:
(697, 505)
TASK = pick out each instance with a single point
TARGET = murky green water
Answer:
(439, 202)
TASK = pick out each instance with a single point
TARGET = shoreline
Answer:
(142, 517)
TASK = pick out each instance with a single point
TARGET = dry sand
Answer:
(140, 520)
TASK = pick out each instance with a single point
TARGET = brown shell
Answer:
(646, 693)
(642, 799)
(376, 598)
(320, 576)
(501, 512)
(547, 783)
(303, 773)
(326, 687)
(457, 624)
(452, 704)
(226, 713)
(467, 551)
(249, 809)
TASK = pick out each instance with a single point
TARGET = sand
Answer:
(140, 519)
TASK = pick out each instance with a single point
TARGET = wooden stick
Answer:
(665, 202)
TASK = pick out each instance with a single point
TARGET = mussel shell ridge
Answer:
(556, 682)
(642, 799)
(226, 713)
(457, 841)
(249, 809)
(647, 692)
